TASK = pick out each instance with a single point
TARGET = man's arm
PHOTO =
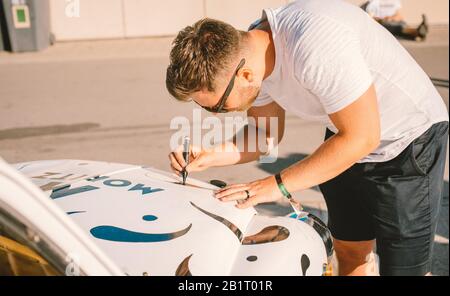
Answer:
(236, 152)
(228, 153)
(358, 134)
(262, 115)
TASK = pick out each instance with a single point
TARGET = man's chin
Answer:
(249, 104)
(245, 107)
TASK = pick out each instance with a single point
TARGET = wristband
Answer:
(281, 186)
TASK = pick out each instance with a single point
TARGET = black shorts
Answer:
(396, 202)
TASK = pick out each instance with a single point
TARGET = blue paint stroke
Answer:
(116, 234)
(145, 190)
(296, 217)
(97, 178)
(149, 218)
(117, 183)
(66, 192)
(75, 212)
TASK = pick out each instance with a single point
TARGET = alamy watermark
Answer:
(209, 132)
(72, 8)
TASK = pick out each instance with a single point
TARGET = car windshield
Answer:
(23, 252)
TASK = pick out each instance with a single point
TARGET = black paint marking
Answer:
(66, 192)
(305, 263)
(267, 235)
(188, 185)
(183, 268)
(75, 212)
(236, 231)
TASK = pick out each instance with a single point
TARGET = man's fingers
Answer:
(240, 185)
(231, 190)
(177, 172)
(179, 157)
(252, 201)
(192, 167)
(174, 162)
(235, 196)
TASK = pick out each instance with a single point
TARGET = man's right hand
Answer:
(199, 160)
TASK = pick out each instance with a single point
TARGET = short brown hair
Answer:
(199, 54)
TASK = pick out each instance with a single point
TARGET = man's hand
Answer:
(260, 191)
(199, 160)
(228, 152)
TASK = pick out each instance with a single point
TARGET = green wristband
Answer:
(281, 186)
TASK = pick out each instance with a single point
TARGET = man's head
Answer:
(204, 59)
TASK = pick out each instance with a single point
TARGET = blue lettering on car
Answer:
(66, 191)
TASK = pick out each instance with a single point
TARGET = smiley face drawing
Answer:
(149, 224)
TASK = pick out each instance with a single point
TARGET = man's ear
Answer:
(247, 74)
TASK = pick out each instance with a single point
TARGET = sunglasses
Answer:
(218, 108)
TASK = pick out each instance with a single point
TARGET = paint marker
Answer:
(186, 147)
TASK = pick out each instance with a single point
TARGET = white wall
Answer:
(102, 19)
(98, 19)
(159, 17)
(239, 13)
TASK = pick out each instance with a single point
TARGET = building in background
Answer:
(98, 19)
(69, 20)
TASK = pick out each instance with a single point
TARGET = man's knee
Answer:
(349, 250)
(353, 256)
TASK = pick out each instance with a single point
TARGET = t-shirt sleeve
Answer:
(262, 99)
(332, 66)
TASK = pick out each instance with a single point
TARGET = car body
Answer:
(77, 217)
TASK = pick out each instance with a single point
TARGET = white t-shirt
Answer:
(383, 8)
(328, 53)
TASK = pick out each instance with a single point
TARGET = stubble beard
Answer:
(253, 93)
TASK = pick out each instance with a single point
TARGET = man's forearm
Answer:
(332, 158)
(240, 149)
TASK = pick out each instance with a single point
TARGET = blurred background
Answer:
(102, 19)
(85, 79)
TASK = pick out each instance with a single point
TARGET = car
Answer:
(77, 217)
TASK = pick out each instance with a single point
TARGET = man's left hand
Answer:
(260, 191)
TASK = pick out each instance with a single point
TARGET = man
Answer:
(388, 14)
(382, 163)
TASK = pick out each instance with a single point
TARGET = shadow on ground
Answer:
(282, 163)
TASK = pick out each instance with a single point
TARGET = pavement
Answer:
(106, 100)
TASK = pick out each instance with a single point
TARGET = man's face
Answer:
(241, 97)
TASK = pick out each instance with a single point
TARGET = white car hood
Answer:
(148, 223)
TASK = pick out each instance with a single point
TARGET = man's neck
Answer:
(262, 48)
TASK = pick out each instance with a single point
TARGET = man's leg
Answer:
(353, 257)
(396, 28)
(402, 30)
(406, 193)
(349, 220)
